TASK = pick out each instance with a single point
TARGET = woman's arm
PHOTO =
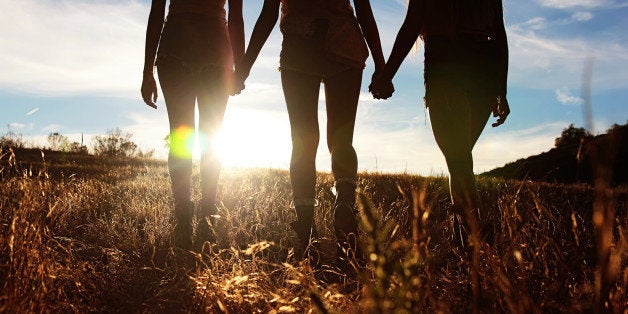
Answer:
(236, 30)
(502, 46)
(501, 109)
(263, 27)
(365, 17)
(406, 37)
(381, 87)
(153, 32)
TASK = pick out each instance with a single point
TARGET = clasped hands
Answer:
(380, 87)
(240, 75)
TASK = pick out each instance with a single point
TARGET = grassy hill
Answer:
(80, 233)
(574, 162)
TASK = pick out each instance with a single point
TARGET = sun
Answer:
(251, 138)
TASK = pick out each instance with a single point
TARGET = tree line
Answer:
(115, 143)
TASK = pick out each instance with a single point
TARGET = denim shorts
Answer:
(196, 41)
(308, 54)
(464, 66)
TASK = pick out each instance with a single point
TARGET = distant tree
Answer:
(115, 143)
(11, 139)
(76, 147)
(58, 142)
(571, 136)
(617, 128)
(147, 154)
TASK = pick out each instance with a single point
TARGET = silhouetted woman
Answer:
(323, 41)
(195, 64)
(466, 66)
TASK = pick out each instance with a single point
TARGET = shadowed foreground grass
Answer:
(78, 238)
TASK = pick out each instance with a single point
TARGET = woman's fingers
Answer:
(149, 91)
(501, 111)
(381, 90)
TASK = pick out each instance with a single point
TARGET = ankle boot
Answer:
(205, 229)
(346, 224)
(307, 234)
(182, 235)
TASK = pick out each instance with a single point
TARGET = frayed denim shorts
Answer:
(461, 67)
(311, 54)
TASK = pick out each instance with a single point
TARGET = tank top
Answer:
(298, 16)
(213, 8)
(455, 17)
(343, 41)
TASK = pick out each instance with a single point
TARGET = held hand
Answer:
(149, 90)
(237, 84)
(381, 88)
(501, 110)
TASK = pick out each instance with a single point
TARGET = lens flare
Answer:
(182, 142)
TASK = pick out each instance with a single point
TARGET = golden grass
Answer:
(80, 238)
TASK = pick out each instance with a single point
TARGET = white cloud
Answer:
(582, 16)
(565, 98)
(564, 4)
(69, 47)
(32, 111)
(496, 147)
(536, 23)
(537, 61)
(52, 128)
(17, 125)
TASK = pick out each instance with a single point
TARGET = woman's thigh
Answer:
(179, 94)
(212, 96)
(301, 95)
(457, 120)
(342, 92)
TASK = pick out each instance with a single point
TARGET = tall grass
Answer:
(77, 238)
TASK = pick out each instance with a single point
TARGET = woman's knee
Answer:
(459, 162)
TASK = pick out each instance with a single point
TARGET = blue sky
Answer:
(74, 67)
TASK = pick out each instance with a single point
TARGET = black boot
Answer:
(205, 231)
(308, 247)
(346, 226)
(182, 235)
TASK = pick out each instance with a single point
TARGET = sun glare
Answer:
(248, 138)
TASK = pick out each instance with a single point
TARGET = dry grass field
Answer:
(94, 235)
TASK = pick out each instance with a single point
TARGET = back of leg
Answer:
(177, 86)
(342, 92)
(450, 116)
(212, 103)
(301, 95)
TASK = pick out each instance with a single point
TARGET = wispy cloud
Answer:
(52, 128)
(538, 61)
(536, 23)
(32, 111)
(495, 147)
(70, 47)
(588, 4)
(17, 125)
(582, 16)
(564, 4)
(565, 98)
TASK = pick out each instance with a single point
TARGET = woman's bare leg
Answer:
(212, 102)
(301, 94)
(342, 92)
(457, 124)
(179, 95)
(341, 95)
